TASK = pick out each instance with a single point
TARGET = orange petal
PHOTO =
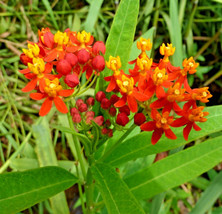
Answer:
(37, 96)
(48, 68)
(169, 134)
(60, 105)
(46, 107)
(112, 85)
(25, 71)
(186, 131)
(66, 93)
(121, 102)
(30, 86)
(139, 96)
(51, 56)
(132, 103)
(149, 126)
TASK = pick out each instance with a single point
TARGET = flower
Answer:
(160, 124)
(52, 92)
(167, 51)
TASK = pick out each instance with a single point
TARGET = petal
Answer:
(48, 39)
(169, 134)
(48, 68)
(179, 122)
(158, 103)
(186, 85)
(160, 92)
(121, 102)
(51, 56)
(196, 127)
(132, 103)
(186, 131)
(60, 105)
(139, 96)
(112, 85)
(31, 85)
(25, 71)
(37, 96)
(66, 93)
(42, 84)
(46, 107)
(156, 136)
(149, 126)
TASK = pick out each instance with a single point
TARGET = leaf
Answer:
(176, 169)
(209, 196)
(121, 36)
(175, 33)
(140, 145)
(20, 190)
(50, 11)
(47, 157)
(117, 197)
(93, 14)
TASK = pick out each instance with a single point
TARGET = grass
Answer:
(193, 26)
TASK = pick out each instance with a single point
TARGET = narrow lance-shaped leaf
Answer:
(20, 190)
(116, 195)
(176, 169)
(140, 145)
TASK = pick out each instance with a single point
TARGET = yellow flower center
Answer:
(163, 120)
(125, 84)
(114, 63)
(177, 92)
(204, 94)
(61, 39)
(144, 64)
(38, 67)
(159, 76)
(32, 51)
(52, 87)
(83, 37)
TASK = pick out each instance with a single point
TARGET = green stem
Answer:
(117, 143)
(78, 147)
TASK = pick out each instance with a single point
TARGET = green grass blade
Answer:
(50, 11)
(93, 14)
(209, 196)
(20, 190)
(176, 169)
(117, 197)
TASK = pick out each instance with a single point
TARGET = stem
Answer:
(77, 146)
(115, 145)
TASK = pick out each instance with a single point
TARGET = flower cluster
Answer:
(157, 90)
(56, 64)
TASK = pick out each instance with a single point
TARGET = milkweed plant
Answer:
(135, 111)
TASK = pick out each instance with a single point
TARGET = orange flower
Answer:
(52, 91)
(201, 94)
(37, 72)
(189, 117)
(160, 124)
(167, 51)
(130, 93)
(189, 66)
(144, 45)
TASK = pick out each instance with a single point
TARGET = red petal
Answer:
(60, 105)
(179, 122)
(51, 56)
(186, 86)
(149, 126)
(160, 92)
(132, 103)
(156, 136)
(109, 78)
(112, 85)
(139, 96)
(46, 107)
(31, 85)
(37, 96)
(169, 134)
(48, 68)
(196, 127)
(42, 84)
(48, 39)
(66, 93)
(158, 103)
(186, 131)
(120, 102)
(25, 71)
(72, 49)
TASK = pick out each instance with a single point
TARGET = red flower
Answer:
(52, 92)
(160, 124)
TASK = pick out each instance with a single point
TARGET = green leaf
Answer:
(20, 190)
(210, 195)
(93, 14)
(117, 197)
(50, 11)
(175, 33)
(121, 36)
(140, 145)
(176, 169)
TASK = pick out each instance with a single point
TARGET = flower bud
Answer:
(90, 114)
(74, 111)
(63, 67)
(99, 120)
(100, 95)
(83, 56)
(71, 80)
(76, 118)
(113, 99)
(110, 132)
(112, 111)
(98, 63)
(104, 131)
(83, 107)
(125, 109)
(105, 103)
(108, 123)
(79, 102)
(88, 120)
(122, 119)
(99, 46)
(90, 101)
(71, 58)
(139, 119)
